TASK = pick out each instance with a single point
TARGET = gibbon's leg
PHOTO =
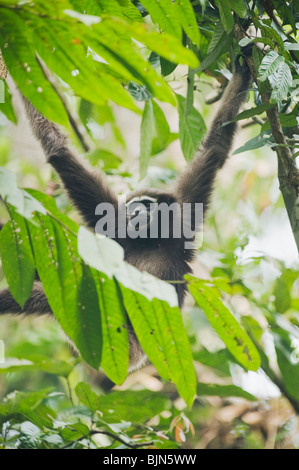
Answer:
(196, 184)
(37, 304)
(84, 188)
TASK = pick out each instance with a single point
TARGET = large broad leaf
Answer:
(281, 83)
(115, 359)
(17, 258)
(253, 111)
(151, 305)
(121, 405)
(69, 287)
(70, 61)
(225, 9)
(164, 15)
(220, 42)
(191, 128)
(224, 323)
(188, 20)
(163, 136)
(162, 335)
(165, 45)
(37, 362)
(18, 49)
(124, 8)
(226, 16)
(264, 138)
(205, 389)
(269, 65)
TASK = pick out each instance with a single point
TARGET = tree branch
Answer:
(288, 173)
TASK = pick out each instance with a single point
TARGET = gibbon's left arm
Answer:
(37, 304)
(196, 184)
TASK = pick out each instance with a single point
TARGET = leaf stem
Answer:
(190, 84)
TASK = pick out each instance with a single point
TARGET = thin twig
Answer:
(113, 436)
(75, 125)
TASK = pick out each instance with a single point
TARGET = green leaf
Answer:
(162, 130)
(147, 328)
(166, 45)
(238, 7)
(71, 63)
(18, 48)
(69, 287)
(220, 43)
(177, 349)
(224, 323)
(291, 46)
(282, 295)
(162, 336)
(267, 41)
(146, 137)
(49, 205)
(126, 59)
(7, 108)
(287, 359)
(218, 36)
(167, 67)
(264, 138)
(192, 128)
(164, 15)
(219, 360)
(28, 405)
(41, 363)
(73, 432)
(87, 396)
(253, 111)
(223, 391)
(188, 20)
(105, 159)
(17, 258)
(226, 16)
(269, 65)
(121, 406)
(115, 359)
(282, 82)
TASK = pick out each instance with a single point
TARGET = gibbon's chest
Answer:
(157, 260)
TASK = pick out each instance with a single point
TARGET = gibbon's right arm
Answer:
(85, 189)
(196, 184)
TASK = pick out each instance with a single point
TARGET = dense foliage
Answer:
(79, 63)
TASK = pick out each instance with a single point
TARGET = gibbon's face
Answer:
(139, 211)
(152, 217)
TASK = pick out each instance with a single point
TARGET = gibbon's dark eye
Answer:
(139, 204)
